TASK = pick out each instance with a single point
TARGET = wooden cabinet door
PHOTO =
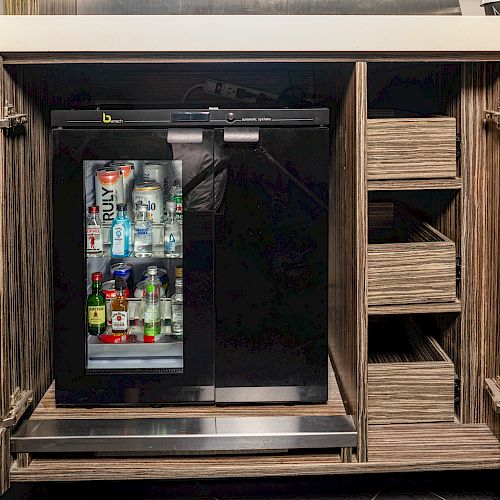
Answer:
(25, 249)
(481, 261)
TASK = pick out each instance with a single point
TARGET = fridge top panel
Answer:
(129, 118)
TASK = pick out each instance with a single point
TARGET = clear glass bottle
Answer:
(172, 233)
(177, 305)
(94, 233)
(120, 233)
(152, 306)
(176, 197)
(119, 312)
(143, 233)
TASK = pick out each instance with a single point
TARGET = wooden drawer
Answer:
(411, 148)
(410, 377)
(409, 261)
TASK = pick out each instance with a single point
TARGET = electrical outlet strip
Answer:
(236, 92)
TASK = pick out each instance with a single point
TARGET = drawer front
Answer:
(411, 273)
(411, 148)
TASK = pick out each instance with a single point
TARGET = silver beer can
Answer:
(158, 172)
(151, 195)
(108, 192)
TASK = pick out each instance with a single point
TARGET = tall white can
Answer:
(127, 169)
(150, 194)
(158, 172)
(108, 192)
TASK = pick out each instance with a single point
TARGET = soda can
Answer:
(108, 192)
(125, 271)
(140, 290)
(151, 195)
(162, 276)
(157, 172)
(127, 169)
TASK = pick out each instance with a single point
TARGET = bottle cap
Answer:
(178, 272)
(120, 284)
(96, 276)
(121, 206)
(94, 209)
(171, 206)
(152, 270)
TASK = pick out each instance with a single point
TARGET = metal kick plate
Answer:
(206, 434)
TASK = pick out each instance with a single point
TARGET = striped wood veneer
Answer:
(411, 148)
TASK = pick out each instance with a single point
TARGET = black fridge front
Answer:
(216, 218)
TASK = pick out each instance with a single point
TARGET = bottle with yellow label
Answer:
(96, 307)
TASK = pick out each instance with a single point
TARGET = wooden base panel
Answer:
(393, 448)
(47, 408)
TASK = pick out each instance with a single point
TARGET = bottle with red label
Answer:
(94, 233)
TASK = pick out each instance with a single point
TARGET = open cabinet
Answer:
(413, 263)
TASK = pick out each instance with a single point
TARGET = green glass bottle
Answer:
(96, 307)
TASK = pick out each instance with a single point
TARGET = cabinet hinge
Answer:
(493, 388)
(493, 116)
(19, 403)
(457, 390)
(458, 261)
(11, 122)
(459, 146)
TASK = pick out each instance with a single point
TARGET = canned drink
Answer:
(162, 276)
(151, 195)
(141, 288)
(125, 271)
(157, 172)
(108, 191)
(127, 170)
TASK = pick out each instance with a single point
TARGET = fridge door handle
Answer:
(242, 134)
(185, 135)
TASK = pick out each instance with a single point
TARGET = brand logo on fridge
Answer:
(109, 119)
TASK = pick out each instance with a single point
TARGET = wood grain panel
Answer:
(475, 273)
(47, 408)
(395, 448)
(28, 237)
(491, 353)
(410, 380)
(411, 148)
(39, 7)
(411, 264)
(433, 443)
(413, 184)
(431, 307)
(347, 262)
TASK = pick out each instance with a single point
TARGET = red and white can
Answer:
(127, 169)
(108, 191)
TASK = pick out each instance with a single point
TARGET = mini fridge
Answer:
(247, 190)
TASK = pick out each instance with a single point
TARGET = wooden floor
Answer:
(47, 409)
(392, 448)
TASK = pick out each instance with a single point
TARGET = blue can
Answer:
(125, 271)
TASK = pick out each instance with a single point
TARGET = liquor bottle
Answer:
(143, 232)
(119, 312)
(172, 233)
(96, 307)
(120, 233)
(94, 233)
(176, 197)
(152, 306)
(177, 305)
